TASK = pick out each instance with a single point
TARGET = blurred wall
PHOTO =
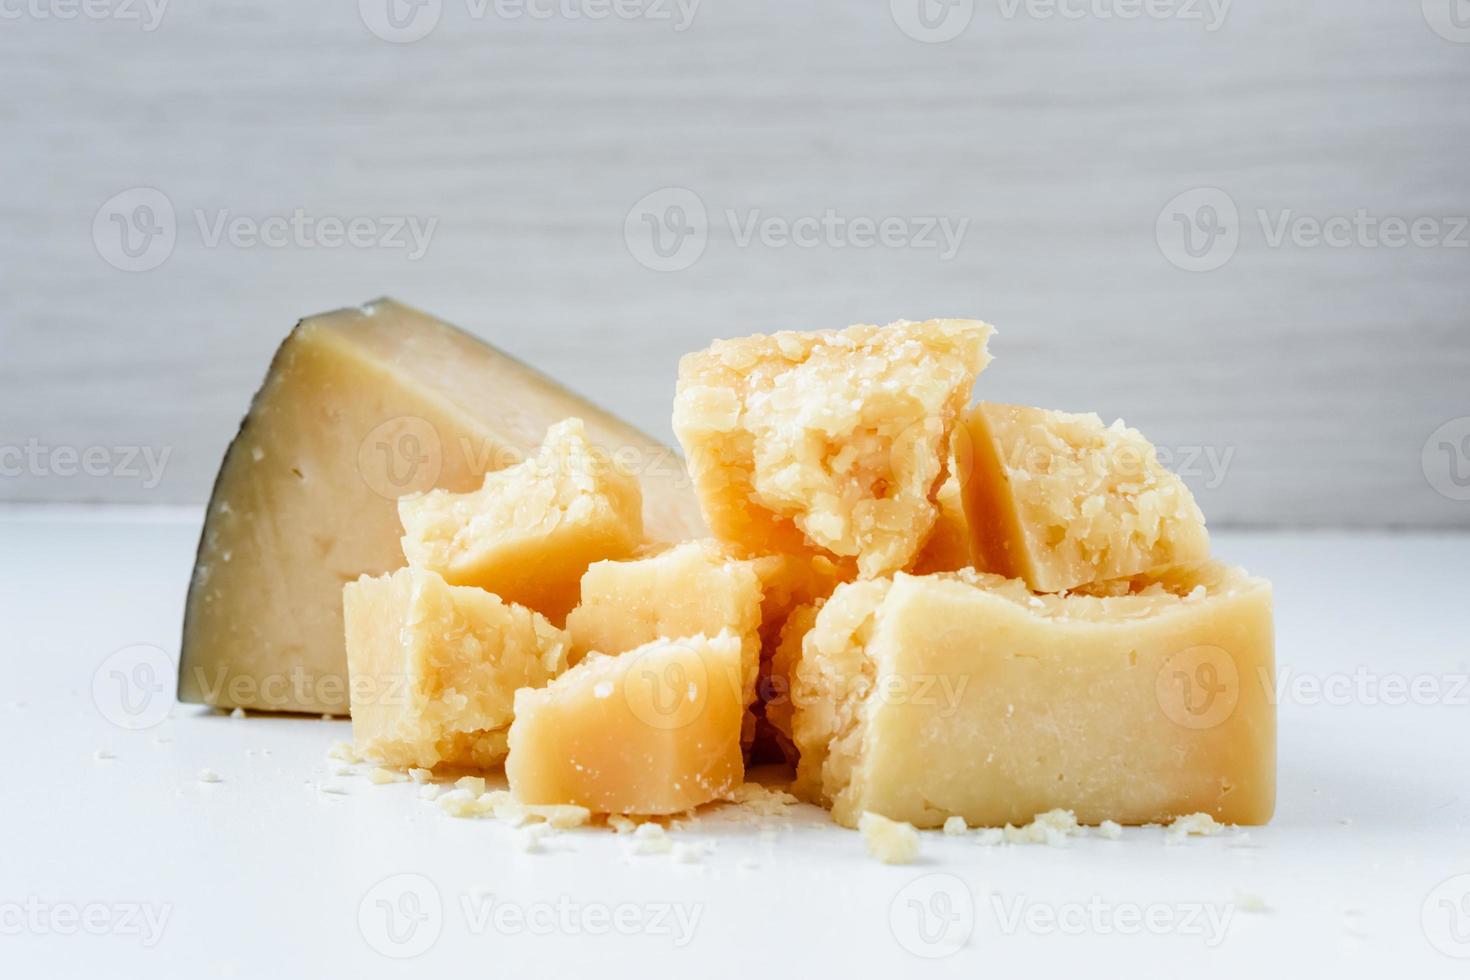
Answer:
(1240, 226)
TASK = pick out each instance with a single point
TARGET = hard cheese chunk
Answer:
(531, 530)
(435, 668)
(361, 407)
(833, 441)
(692, 589)
(923, 698)
(654, 730)
(1062, 500)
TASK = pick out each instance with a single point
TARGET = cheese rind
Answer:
(923, 698)
(435, 668)
(361, 406)
(1063, 500)
(833, 441)
(654, 730)
(530, 531)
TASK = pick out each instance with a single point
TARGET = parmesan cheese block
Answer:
(435, 667)
(832, 442)
(654, 730)
(532, 529)
(925, 698)
(1062, 500)
(360, 407)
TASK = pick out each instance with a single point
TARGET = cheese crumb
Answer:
(382, 776)
(420, 775)
(890, 841)
(766, 802)
(343, 750)
(1051, 828)
(1250, 902)
(210, 776)
(955, 827)
(429, 791)
(238, 713)
(528, 839)
(1110, 829)
(103, 755)
(990, 837)
(621, 824)
(1196, 825)
(475, 784)
(650, 838)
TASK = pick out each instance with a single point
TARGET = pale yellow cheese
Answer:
(1062, 500)
(692, 589)
(655, 730)
(890, 841)
(948, 548)
(532, 529)
(360, 407)
(923, 698)
(833, 441)
(435, 668)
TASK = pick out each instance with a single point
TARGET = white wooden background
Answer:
(1306, 380)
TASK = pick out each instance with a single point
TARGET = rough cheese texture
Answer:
(362, 406)
(435, 668)
(654, 730)
(1062, 500)
(948, 548)
(923, 698)
(889, 841)
(834, 441)
(532, 529)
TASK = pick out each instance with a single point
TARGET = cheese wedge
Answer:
(1063, 500)
(435, 667)
(360, 407)
(654, 730)
(832, 442)
(925, 698)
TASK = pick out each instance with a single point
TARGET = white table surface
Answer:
(1365, 871)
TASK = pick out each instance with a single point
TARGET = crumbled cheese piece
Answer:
(990, 837)
(343, 750)
(238, 713)
(162, 739)
(334, 789)
(103, 755)
(1250, 902)
(382, 776)
(475, 784)
(1110, 830)
(463, 803)
(420, 775)
(529, 838)
(650, 838)
(1051, 828)
(767, 802)
(621, 824)
(955, 827)
(1195, 824)
(429, 791)
(209, 776)
(889, 841)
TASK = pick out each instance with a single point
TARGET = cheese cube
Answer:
(925, 698)
(654, 730)
(692, 589)
(531, 530)
(832, 442)
(1062, 500)
(435, 667)
(360, 407)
